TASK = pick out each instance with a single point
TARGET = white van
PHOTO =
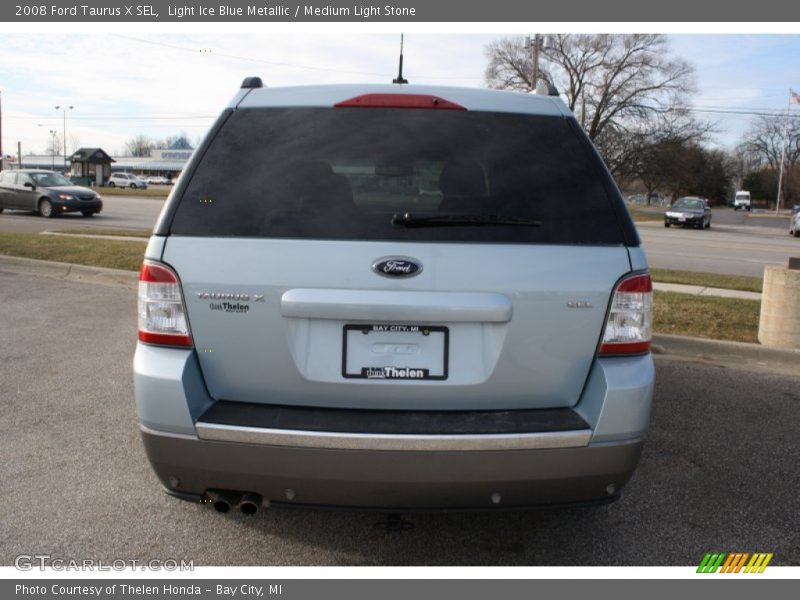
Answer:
(741, 200)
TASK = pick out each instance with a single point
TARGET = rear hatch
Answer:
(397, 258)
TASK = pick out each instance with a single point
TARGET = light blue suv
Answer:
(394, 297)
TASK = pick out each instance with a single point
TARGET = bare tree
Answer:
(55, 146)
(762, 147)
(141, 145)
(620, 84)
(73, 142)
(180, 141)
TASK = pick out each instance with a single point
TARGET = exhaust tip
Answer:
(222, 501)
(250, 504)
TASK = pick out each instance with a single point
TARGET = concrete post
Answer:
(779, 325)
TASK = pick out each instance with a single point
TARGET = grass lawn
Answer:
(159, 192)
(706, 317)
(728, 282)
(111, 254)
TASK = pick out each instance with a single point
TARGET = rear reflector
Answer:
(161, 317)
(629, 329)
(399, 101)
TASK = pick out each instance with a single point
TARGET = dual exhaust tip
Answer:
(223, 501)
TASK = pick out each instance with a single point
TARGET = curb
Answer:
(728, 354)
(59, 270)
(699, 290)
(95, 236)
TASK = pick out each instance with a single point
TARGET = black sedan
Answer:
(47, 193)
(689, 212)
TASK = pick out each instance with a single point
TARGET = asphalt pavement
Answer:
(719, 469)
(119, 212)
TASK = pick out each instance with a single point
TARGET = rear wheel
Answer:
(666, 224)
(46, 209)
(87, 213)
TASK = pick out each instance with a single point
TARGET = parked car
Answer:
(794, 221)
(47, 193)
(402, 297)
(689, 211)
(157, 180)
(126, 180)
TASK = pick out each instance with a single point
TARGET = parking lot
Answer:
(719, 470)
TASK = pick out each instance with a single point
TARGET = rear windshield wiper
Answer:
(409, 220)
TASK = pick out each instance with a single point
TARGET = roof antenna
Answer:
(399, 79)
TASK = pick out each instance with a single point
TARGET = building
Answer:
(90, 166)
(162, 161)
(167, 162)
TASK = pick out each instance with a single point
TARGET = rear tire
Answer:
(666, 224)
(46, 209)
(87, 213)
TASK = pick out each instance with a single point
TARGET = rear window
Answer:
(343, 173)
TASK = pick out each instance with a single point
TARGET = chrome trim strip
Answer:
(394, 306)
(391, 442)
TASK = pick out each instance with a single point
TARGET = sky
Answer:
(126, 84)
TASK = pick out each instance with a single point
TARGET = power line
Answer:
(282, 64)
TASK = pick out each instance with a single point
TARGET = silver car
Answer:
(394, 297)
(126, 180)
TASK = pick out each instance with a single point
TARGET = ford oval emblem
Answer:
(397, 266)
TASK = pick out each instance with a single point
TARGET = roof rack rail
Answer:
(251, 83)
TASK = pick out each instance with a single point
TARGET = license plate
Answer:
(395, 352)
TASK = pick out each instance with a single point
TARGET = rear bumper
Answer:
(373, 479)
(548, 459)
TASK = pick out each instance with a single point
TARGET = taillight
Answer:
(162, 319)
(629, 328)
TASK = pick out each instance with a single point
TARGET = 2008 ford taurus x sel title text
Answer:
(394, 297)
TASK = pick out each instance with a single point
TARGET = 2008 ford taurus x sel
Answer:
(394, 297)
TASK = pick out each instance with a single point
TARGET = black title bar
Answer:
(401, 11)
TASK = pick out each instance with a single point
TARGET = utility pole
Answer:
(583, 111)
(534, 45)
(19, 155)
(63, 109)
(53, 148)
